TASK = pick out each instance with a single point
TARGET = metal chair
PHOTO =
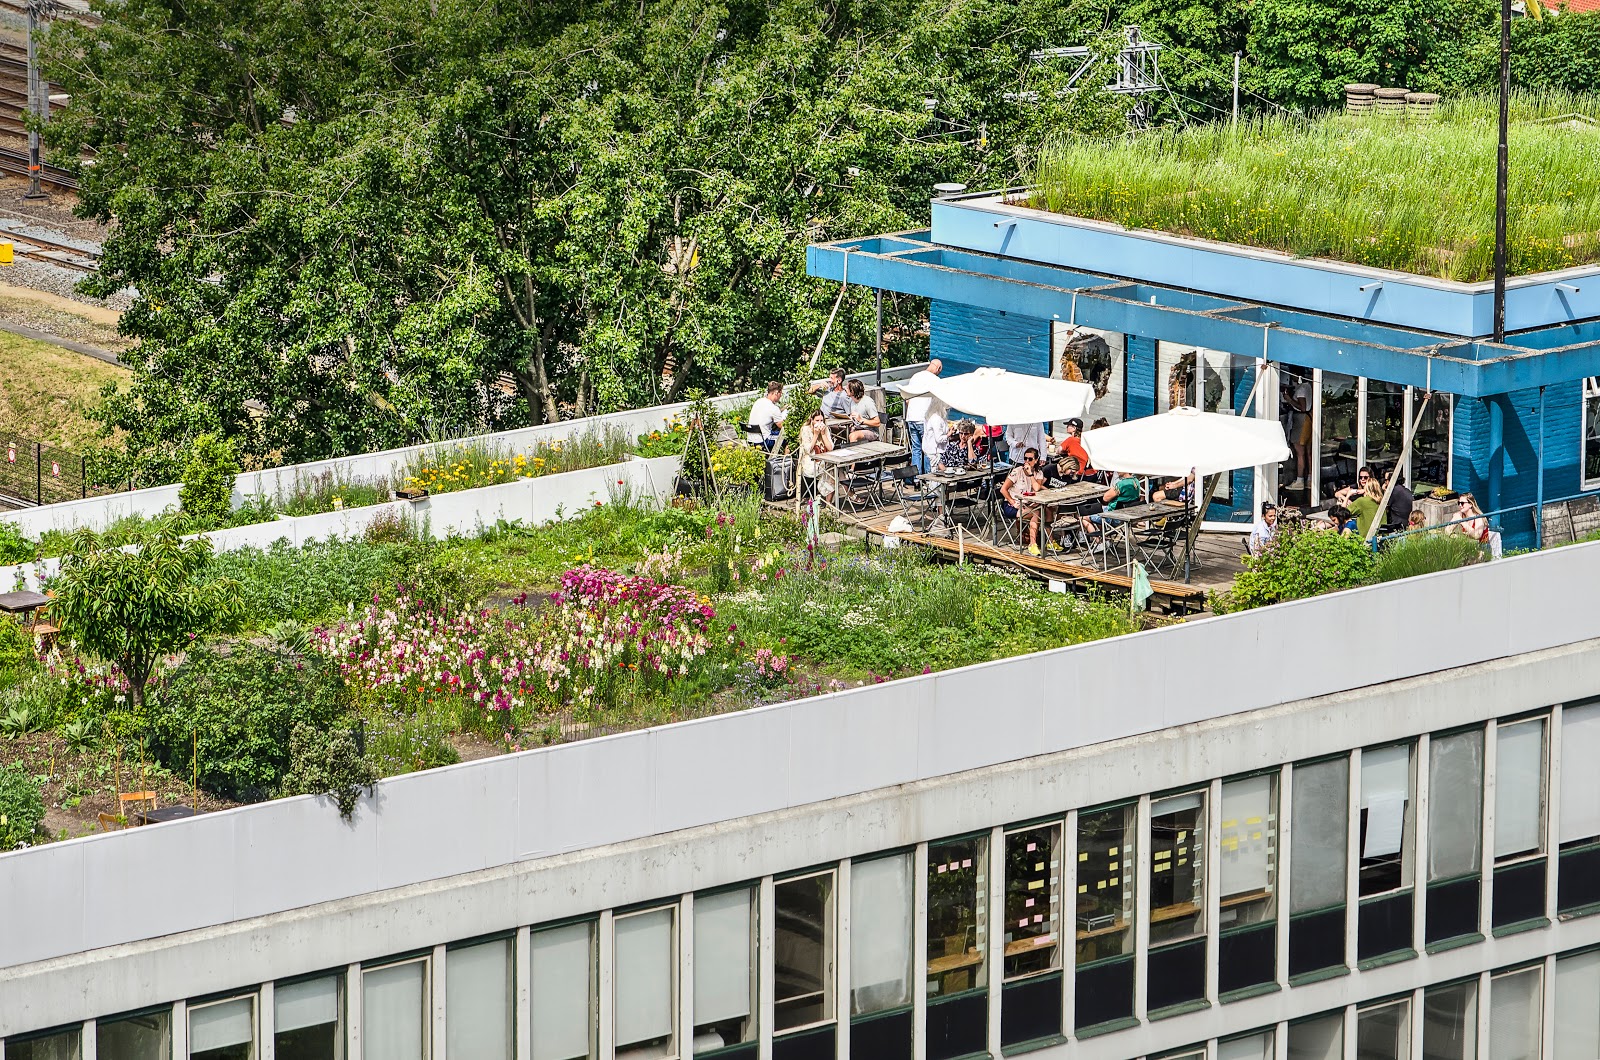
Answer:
(1158, 546)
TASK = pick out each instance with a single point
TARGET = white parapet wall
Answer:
(97, 513)
(529, 501)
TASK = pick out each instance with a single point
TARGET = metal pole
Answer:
(38, 473)
(35, 98)
(1501, 163)
(878, 345)
(1236, 87)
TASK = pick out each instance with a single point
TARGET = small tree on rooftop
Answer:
(133, 606)
(206, 496)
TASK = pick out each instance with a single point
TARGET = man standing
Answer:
(1020, 437)
(766, 418)
(920, 407)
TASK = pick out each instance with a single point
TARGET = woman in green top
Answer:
(1124, 492)
(1365, 507)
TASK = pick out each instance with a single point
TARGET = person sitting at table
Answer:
(864, 421)
(1473, 523)
(1172, 490)
(960, 447)
(1365, 507)
(1340, 519)
(1417, 521)
(990, 438)
(815, 438)
(1024, 481)
(765, 423)
(1348, 495)
(835, 402)
(1124, 492)
(1072, 445)
(1401, 500)
(1265, 529)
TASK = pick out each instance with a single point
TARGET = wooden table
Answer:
(833, 460)
(1070, 495)
(1125, 519)
(27, 603)
(943, 481)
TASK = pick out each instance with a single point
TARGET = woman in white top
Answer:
(814, 438)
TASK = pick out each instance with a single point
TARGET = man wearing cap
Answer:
(1072, 445)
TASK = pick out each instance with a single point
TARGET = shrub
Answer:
(1299, 561)
(21, 807)
(701, 437)
(1417, 554)
(327, 763)
(16, 651)
(738, 466)
(234, 714)
(471, 464)
(331, 490)
(309, 582)
(15, 546)
(207, 493)
(668, 441)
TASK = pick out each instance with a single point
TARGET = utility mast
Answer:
(1138, 72)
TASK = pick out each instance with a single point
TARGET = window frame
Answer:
(1590, 391)
(1406, 856)
(341, 1015)
(830, 949)
(1543, 849)
(674, 970)
(1053, 897)
(1273, 895)
(752, 890)
(1199, 841)
(1129, 906)
(425, 959)
(252, 996)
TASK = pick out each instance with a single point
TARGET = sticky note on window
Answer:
(967, 864)
(944, 868)
(1032, 847)
(1036, 885)
(1028, 903)
(1112, 852)
(1084, 856)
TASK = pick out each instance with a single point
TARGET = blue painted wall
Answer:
(966, 337)
(1141, 376)
(1519, 455)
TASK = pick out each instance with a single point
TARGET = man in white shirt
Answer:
(919, 407)
(1020, 437)
(835, 402)
(934, 429)
(766, 418)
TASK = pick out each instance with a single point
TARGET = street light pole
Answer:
(1501, 164)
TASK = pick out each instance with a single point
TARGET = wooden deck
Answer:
(1216, 562)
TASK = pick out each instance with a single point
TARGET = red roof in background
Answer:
(1572, 5)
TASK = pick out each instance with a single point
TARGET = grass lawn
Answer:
(45, 391)
(1411, 196)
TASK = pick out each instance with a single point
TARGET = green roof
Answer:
(1412, 196)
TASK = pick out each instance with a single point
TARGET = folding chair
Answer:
(1158, 546)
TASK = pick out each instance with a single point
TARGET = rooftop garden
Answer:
(1411, 196)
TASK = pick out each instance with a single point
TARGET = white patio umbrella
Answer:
(1184, 440)
(999, 396)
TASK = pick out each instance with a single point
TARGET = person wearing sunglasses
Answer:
(1473, 523)
(1023, 482)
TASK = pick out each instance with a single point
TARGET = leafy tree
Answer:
(138, 605)
(327, 763)
(206, 496)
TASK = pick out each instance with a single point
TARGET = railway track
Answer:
(16, 163)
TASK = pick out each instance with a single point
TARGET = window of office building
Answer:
(1383, 1031)
(1107, 876)
(1519, 823)
(223, 1030)
(725, 970)
(1177, 900)
(1317, 866)
(307, 1018)
(1430, 444)
(1450, 1021)
(803, 951)
(480, 1000)
(882, 908)
(1385, 426)
(1031, 1007)
(1335, 452)
(1095, 357)
(58, 1045)
(1247, 875)
(562, 978)
(142, 1036)
(1578, 1006)
(1578, 876)
(1258, 1046)
(394, 1010)
(644, 983)
(1317, 1038)
(1455, 834)
(1386, 836)
(1515, 1008)
(958, 947)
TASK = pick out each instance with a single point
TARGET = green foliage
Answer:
(21, 807)
(328, 491)
(20, 720)
(667, 441)
(312, 581)
(1298, 562)
(898, 613)
(16, 651)
(798, 405)
(702, 421)
(137, 606)
(1417, 554)
(738, 466)
(125, 530)
(235, 714)
(206, 496)
(1413, 197)
(15, 547)
(470, 464)
(327, 763)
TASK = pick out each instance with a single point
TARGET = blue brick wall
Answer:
(1519, 456)
(965, 337)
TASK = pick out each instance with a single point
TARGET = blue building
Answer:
(1366, 353)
